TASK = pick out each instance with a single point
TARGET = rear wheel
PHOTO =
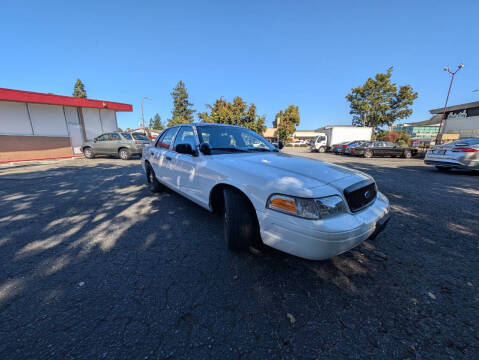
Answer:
(153, 183)
(368, 154)
(407, 154)
(240, 222)
(124, 154)
(88, 152)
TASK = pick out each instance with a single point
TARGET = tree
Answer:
(237, 112)
(378, 102)
(286, 122)
(79, 89)
(150, 124)
(119, 129)
(156, 123)
(182, 112)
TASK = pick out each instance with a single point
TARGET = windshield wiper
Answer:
(232, 149)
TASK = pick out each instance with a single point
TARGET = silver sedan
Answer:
(461, 154)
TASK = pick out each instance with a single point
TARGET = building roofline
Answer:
(455, 107)
(52, 99)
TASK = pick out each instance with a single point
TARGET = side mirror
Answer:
(280, 145)
(205, 148)
(185, 149)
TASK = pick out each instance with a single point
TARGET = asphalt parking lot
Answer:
(92, 266)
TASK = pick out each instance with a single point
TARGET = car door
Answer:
(100, 144)
(184, 166)
(113, 143)
(389, 148)
(161, 156)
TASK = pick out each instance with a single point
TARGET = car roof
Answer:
(207, 124)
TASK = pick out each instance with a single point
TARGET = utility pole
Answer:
(143, 116)
(453, 73)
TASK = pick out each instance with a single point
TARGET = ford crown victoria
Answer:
(301, 206)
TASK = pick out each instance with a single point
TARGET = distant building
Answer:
(422, 129)
(38, 126)
(460, 119)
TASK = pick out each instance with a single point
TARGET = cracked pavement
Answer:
(92, 265)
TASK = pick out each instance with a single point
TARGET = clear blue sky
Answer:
(272, 53)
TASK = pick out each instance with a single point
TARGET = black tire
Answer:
(443, 168)
(240, 222)
(322, 149)
(88, 152)
(368, 154)
(407, 155)
(153, 183)
(124, 154)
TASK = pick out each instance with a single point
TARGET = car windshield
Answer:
(127, 136)
(232, 139)
(140, 137)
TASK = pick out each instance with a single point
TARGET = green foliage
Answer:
(399, 137)
(236, 113)
(182, 112)
(404, 137)
(286, 122)
(378, 102)
(79, 89)
(378, 135)
(156, 123)
(119, 129)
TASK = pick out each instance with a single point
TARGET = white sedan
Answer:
(301, 206)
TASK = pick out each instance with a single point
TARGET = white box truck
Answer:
(333, 135)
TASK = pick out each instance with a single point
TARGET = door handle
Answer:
(168, 158)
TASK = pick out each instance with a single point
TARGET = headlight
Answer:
(307, 208)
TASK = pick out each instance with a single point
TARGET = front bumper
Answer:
(323, 239)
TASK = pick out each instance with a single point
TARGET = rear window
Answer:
(140, 137)
(127, 136)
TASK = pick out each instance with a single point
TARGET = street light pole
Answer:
(453, 73)
(142, 116)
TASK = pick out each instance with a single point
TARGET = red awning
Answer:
(42, 98)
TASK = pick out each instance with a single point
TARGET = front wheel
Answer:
(322, 149)
(368, 154)
(240, 221)
(407, 155)
(88, 152)
(153, 183)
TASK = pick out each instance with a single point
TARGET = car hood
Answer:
(283, 172)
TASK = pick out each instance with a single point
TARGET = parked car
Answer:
(348, 149)
(461, 154)
(301, 206)
(117, 143)
(297, 143)
(383, 148)
(338, 149)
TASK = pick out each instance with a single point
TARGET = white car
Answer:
(460, 154)
(297, 143)
(301, 206)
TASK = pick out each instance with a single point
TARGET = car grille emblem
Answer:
(367, 194)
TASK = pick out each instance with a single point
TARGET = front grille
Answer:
(360, 195)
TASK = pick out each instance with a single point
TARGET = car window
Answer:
(388, 144)
(232, 139)
(166, 138)
(104, 137)
(127, 136)
(141, 137)
(185, 136)
(114, 137)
